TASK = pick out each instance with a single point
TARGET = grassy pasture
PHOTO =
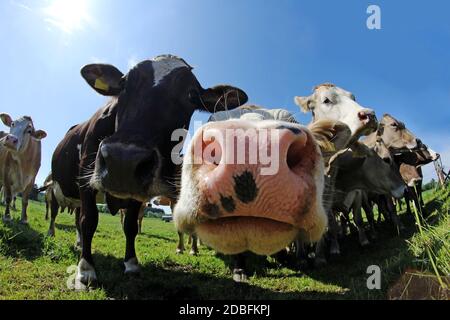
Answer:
(34, 266)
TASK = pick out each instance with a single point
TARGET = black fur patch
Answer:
(245, 187)
(211, 209)
(228, 203)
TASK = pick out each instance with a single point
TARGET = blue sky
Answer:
(273, 50)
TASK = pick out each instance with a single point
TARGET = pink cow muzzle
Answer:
(254, 180)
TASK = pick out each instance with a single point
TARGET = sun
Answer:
(68, 15)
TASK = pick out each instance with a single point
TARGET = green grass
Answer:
(33, 266)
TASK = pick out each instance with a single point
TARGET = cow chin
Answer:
(263, 236)
(240, 234)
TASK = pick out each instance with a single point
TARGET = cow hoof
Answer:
(6, 219)
(132, 266)
(86, 276)
(24, 222)
(335, 252)
(365, 243)
(179, 251)
(193, 253)
(51, 233)
(239, 276)
(320, 262)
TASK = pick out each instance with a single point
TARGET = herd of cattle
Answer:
(344, 161)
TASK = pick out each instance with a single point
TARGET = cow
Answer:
(411, 170)
(331, 102)
(126, 149)
(20, 159)
(237, 206)
(164, 201)
(360, 170)
(394, 134)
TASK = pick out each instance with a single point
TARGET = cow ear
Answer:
(331, 135)
(304, 103)
(39, 134)
(221, 98)
(103, 78)
(6, 119)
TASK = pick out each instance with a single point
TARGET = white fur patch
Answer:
(132, 266)
(163, 66)
(85, 275)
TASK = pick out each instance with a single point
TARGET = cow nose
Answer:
(366, 115)
(126, 169)
(11, 141)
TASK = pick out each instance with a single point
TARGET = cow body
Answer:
(20, 160)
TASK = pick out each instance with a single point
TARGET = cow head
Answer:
(395, 135)
(155, 98)
(410, 174)
(21, 132)
(331, 102)
(236, 206)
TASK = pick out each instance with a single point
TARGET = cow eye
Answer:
(327, 101)
(12, 124)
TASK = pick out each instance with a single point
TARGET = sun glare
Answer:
(68, 15)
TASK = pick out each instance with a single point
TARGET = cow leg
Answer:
(14, 203)
(180, 246)
(194, 248)
(78, 242)
(393, 213)
(141, 218)
(370, 217)
(25, 195)
(131, 230)
(8, 198)
(239, 265)
(53, 213)
(86, 275)
(357, 216)
(320, 259)
(122, 217)
(333, 229)
(47, 208)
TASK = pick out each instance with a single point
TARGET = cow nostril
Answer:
(363, 116)
(294, 155)
(146, 168)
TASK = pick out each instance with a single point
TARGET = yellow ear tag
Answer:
(101, 85)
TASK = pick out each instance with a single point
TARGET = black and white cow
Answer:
(125, 148)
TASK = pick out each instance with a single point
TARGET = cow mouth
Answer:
(233, 235)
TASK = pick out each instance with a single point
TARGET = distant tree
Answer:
(430, 185)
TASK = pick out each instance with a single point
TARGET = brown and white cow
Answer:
(126, 148)
(20, 159)
(331, 102)
(238, 206)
